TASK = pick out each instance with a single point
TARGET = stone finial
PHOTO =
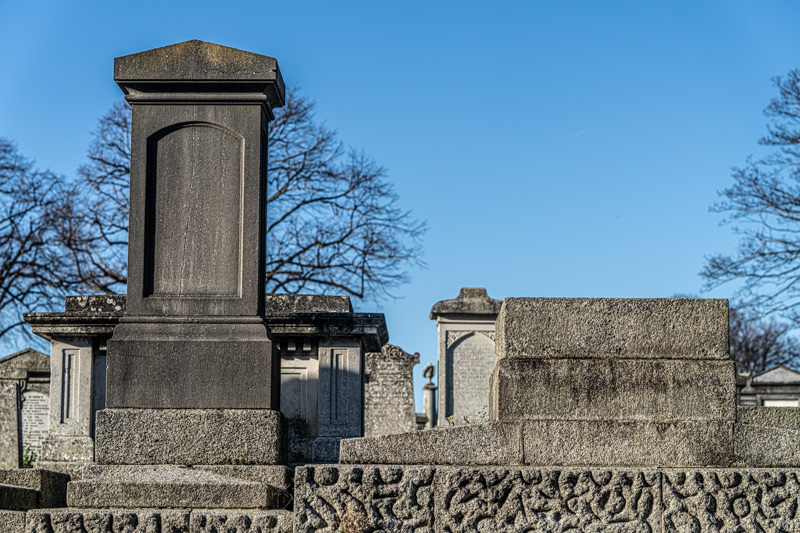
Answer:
(470, 301)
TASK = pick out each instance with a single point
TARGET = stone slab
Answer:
(50, 486)
(167, 486)
(766, 446)
(479, 444)
(679, 328)
(12, 521)
(627, 443)
(250, 521)
(13, 498)
(108, 521)
(68, 448)
(778, 417)
(190, 436)
(608, 389)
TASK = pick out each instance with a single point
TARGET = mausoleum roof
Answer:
(470, 301)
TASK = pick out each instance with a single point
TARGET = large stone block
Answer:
(249, 521)
(778, 417)
(192, 364)
(479, 444)
(755, 446)
(15, 498)
(681, 328)
(12, 521)
(166, 486)
(612, 389)
(626, 443)
(190, 436)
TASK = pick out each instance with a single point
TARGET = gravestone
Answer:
(192, 373)
(389, 391)
(466, 355)
(24, 392)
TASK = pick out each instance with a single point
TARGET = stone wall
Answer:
(389, 391)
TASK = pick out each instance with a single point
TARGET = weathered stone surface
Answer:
(731, 500)
(191, 363)
(93, 304)
(166, 486)
(107, 521)
(14, 498)
(281, 304)
(364, 498)
(9, 425)
(777, 417)
(626, 443)
(190, 436)
(470, 301)
(12, 521)
(547, 499)
(51, 487)
(608, 389)
(480, 444)
(251, 521)
(679, 328)
(755, 446)
(389, 391)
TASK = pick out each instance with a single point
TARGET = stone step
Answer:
(553, 442)
(167, 486)
(50, 486)
(159, 521)
(13, 498)
(612, 389)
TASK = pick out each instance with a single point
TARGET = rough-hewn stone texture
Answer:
(389, 391)
(165, 486)
(731, 500)
(190, 436)
(608, 389)
(210, 521)
(364, 498)
(480, 444)
(16, 498)
(10, 456)
(51, 487)
(679, 328)
(12, 521)
(756, 446)
(778, 417)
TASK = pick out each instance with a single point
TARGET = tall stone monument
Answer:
(192, 376)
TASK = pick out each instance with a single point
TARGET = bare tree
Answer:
(758, 344)
(764, 206)
(33, 269)
(334, 224)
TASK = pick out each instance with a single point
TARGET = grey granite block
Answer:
(731, 500)
(778, 417)
(166, 486)
(334, 498)
(251, 521)
(607, 389)
(755, 446)
(107, 521)
(503, 499)
(682, 328)
(51, 486)
(14, 498)
(12, 521)
(626, 443)
(190, 436)
(479, 444)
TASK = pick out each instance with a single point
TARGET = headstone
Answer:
(466, 355)
(389, 391)
(24, 392)
(192, 374)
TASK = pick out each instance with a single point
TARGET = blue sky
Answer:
(554, 148)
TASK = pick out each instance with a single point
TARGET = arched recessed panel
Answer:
(470, 361)
(195, 179)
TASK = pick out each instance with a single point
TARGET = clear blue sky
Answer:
(554, 148)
